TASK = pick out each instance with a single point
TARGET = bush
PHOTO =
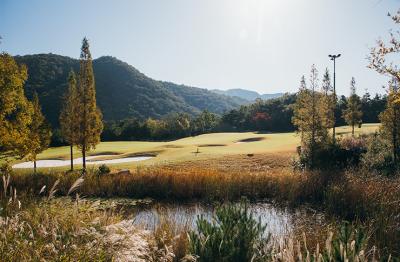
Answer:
(103, 170)
(234, 235)
(378, 156)
(345, 152)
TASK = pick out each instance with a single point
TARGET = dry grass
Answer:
(372, 201)
(253, 177)
(55, 230)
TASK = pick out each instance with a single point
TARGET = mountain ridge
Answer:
(122, 91)
(246, 94)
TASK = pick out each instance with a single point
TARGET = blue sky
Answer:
(261, 45)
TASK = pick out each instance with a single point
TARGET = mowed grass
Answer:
(207, 146)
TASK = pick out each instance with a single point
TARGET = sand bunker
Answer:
(211, 145)
(172, 146)
(251, 139)
(89, 161)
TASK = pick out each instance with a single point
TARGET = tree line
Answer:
(274, 115)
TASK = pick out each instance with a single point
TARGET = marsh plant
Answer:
(52, 229)
(232, 235)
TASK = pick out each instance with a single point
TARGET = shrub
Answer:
(378, 156)
(233, 235)
(103, 170)
(346, 152)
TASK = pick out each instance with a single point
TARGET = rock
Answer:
(134, 244)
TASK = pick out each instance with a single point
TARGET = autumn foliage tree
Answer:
(69, 117)
(39, 135)
(378, 58)
(260, 120)
(89, 116)
(15, 109)
(353, 114)
(390, 119)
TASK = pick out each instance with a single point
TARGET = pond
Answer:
(280, 221)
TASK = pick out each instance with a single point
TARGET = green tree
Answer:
(69, 118)
(157, 128)
(89, 116)
(390, 119)
(328, 102)
(15, 109)
(39, 133)
(205, 122)
(178, 125)
(300, 107)
(353, 114)
(307, 117)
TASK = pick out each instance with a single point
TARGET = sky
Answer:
(260, 45)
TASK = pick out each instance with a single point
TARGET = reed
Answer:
(353, 195)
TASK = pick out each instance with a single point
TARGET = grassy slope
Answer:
(209, 145)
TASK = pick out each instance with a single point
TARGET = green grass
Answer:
(208, 146)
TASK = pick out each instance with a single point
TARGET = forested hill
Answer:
(122, 91)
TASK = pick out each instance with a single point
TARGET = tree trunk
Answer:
(34, 166)
(394, 137)
(72, 158)
(352, 130)
(84, 159)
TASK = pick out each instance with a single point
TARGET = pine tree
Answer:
(69, 118)
(15, 109)
(353, 114)
(327, 102)
(300, 108)
(90, 117)
(390, 119)
(39, 133)
(308, 118)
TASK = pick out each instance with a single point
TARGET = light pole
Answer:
(333, 58)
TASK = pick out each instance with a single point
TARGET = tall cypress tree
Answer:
(69, 118)
(39, 133)
(299, 108)
(15, 109)
(390, 119)
(90, 117)
(353, 114)
(308, 117)
(327, 102)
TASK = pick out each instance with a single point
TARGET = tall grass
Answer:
(351, 195)
(55, 230)
(48, 229)
(169, 183)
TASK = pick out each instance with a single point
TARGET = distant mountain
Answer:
(246, 94)
(121, 90)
